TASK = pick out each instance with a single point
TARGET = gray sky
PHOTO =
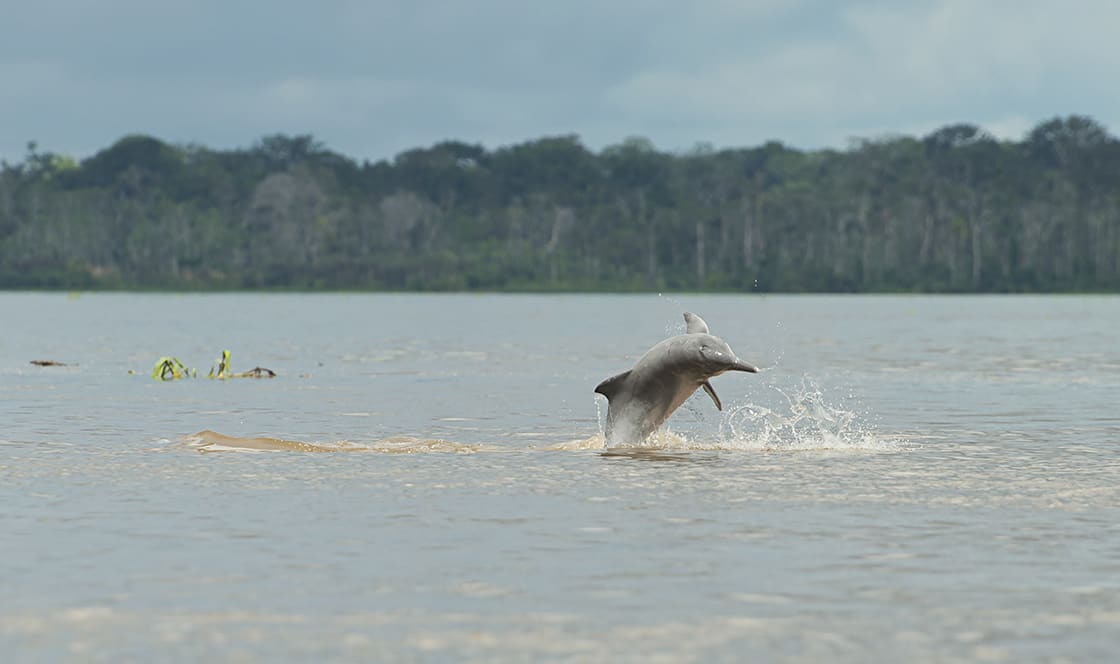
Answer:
(371, 79)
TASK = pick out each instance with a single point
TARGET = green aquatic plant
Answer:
(223, 367)
(170, 368)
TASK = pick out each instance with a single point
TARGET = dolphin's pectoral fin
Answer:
(712, 393)
(612, 385)
(694, 324)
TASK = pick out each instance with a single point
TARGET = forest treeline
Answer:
(953, 211)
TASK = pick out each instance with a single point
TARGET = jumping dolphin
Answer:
(641, 399)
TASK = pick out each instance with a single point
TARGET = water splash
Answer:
(805, 421)
(677, 327)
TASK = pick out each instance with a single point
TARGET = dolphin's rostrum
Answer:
(641, 399)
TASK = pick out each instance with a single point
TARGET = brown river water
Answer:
(910, 478)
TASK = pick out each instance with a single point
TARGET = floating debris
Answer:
(225, 371)
(255, 372)
(49, 363)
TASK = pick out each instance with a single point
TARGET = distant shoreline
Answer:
(955, 211)
(295, 291)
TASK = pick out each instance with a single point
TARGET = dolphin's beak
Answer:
(739, 365)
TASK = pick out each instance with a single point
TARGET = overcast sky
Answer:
(373, 78)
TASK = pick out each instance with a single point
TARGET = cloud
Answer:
(1011, 127)
(371, 79)
(883, 65)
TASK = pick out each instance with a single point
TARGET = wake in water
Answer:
(212, 441)
(806, 421)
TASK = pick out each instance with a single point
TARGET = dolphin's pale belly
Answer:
(634, 418)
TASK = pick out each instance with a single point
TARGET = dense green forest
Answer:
(954, 211)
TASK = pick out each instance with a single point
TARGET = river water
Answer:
(909, 479)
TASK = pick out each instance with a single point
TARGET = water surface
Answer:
(910, 478)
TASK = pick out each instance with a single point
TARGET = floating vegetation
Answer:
(49, 363)
(223, 367)
(224, 371)
(170, 368)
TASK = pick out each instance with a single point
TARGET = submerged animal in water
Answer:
(641, 399)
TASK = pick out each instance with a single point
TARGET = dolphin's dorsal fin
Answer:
(694, 324)
(610, 386)
(712, 393)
